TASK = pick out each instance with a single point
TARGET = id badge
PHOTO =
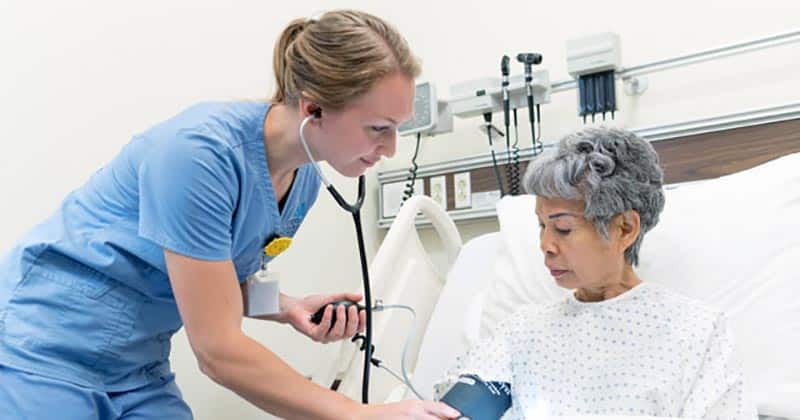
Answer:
(263, 292)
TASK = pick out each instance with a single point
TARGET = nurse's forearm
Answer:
(249, 369)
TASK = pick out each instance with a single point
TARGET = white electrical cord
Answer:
(379, 306)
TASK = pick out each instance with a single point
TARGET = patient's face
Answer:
(577, 256)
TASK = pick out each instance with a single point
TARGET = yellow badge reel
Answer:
(277, 246)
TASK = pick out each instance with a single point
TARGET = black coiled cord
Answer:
(513, 167)
(412, 173)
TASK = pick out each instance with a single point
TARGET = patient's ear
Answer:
(627, 226)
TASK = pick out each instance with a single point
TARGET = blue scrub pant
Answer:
(30, 396)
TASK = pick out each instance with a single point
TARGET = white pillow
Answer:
(733, 242)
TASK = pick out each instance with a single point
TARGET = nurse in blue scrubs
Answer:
(163, 236)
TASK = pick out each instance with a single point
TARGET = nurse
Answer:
(163, 236)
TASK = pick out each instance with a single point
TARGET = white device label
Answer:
(485, 199)
(393, 196)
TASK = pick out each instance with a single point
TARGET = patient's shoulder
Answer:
(683, 314)
(676, 302)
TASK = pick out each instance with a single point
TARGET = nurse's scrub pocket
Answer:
(68, 315)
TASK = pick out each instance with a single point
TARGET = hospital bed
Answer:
(733, 242)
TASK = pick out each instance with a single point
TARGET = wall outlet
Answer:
(463, 190)
(438, 191)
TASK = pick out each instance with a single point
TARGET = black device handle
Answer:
(317, 317)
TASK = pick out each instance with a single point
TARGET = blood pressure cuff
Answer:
(478, 400)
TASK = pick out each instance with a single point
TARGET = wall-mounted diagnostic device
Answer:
(431, 116)
(594, 60)
(474, 98)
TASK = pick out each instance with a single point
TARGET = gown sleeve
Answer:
(718, 391)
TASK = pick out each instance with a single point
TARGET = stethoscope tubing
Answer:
(355, 210)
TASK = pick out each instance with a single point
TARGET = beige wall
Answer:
(78, 78)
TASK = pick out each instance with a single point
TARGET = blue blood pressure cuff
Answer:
(476, 399)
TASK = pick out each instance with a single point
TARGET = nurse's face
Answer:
(356, 137)
(577, 256)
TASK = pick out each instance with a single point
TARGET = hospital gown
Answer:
(647, 352)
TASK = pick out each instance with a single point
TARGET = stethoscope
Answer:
(355, 210)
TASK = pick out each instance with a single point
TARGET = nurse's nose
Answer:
(388, 147)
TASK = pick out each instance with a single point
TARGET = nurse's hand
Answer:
(298, 312)
(408, 410)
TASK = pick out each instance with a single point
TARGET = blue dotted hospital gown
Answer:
(647, 352)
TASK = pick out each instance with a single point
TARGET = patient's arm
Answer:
(489, 359)
(718, 391)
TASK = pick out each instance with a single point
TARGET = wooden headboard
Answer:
(712, 155)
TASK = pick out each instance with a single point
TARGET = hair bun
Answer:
(598, 162)
(584, 146)
(601, 164)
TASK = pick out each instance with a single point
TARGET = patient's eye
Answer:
(560, 231)
(379, 128)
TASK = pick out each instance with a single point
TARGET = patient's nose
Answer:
(547, 245)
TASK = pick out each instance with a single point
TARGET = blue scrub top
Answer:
(85, 295)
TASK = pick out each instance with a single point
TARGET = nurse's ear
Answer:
(309, 108)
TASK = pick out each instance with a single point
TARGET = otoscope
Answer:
(529, 59)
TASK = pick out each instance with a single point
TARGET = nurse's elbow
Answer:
(211, 360)
(214, 373)
(208, 368)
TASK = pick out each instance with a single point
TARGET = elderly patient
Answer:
(617, 344)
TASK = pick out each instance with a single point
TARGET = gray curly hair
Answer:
(611, 170)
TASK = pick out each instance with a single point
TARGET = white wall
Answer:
(78, 78)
